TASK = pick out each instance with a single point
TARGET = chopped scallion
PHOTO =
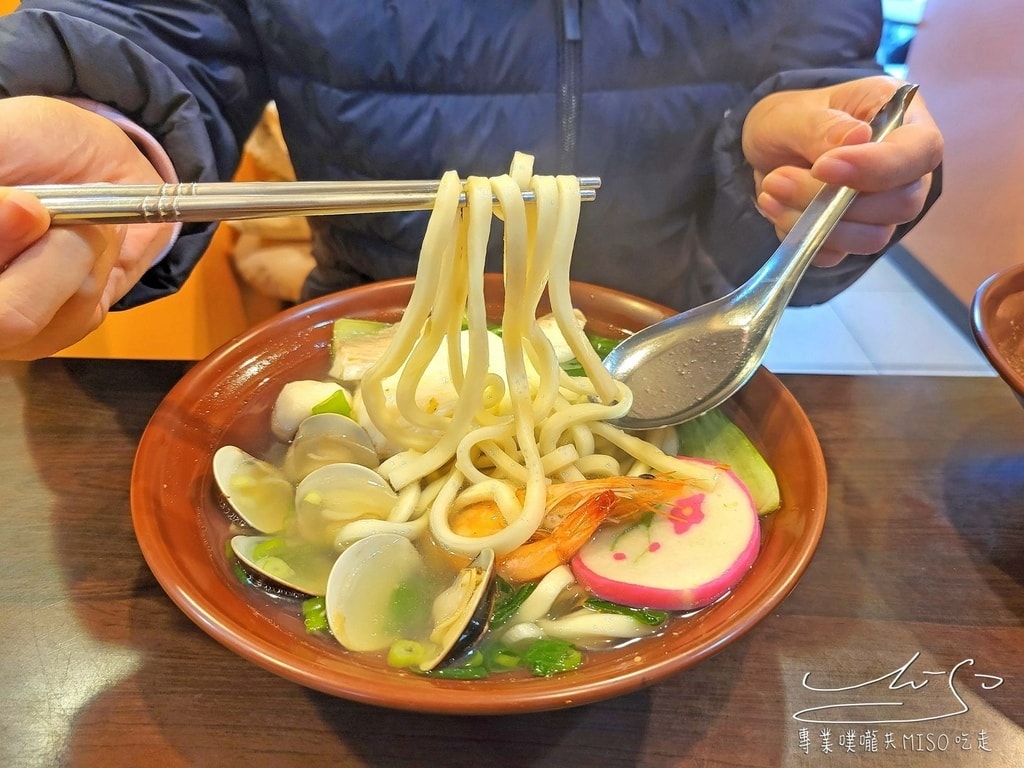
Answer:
(405, 653)
(314, 614)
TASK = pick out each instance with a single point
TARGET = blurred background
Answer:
(907, 315)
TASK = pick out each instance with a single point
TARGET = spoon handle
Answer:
(776, 281)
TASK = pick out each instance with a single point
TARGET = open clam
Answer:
(328, 438)
(255, 489)
(361, 590)
(284, 561)
(379, 592)
(462, 613)
(336, 494)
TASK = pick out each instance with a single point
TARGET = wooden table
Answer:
(920, 568)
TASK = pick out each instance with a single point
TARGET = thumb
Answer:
(790, 130)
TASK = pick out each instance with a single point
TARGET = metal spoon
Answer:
(687, 364)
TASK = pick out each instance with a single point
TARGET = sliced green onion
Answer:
(267, 548)
(346, 327)
(274, 567)
(501, 659)
(405, 653)
(314, 614)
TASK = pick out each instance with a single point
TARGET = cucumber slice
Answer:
(715, 437)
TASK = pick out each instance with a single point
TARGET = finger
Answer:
(907, 154)
(23, 220)
(795, 128)
(847, 237)
(828, 257)
(794, 189)
(46, 305)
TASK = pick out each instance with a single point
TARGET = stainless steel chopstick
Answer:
(225, 201)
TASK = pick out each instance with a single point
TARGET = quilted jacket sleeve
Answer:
(145, 65)
(815, 35)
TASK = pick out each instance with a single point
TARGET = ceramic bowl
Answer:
(997, 319)
(227, 398)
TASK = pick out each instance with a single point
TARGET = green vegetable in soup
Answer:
(646, 616)
(336, 403)
(509, 600)
(548, 656)
(348, 327)
(715, 437)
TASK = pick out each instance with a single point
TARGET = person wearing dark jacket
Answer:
(711, 126)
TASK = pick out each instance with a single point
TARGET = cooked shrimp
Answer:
(534, 559)
(481, 518)
(574, 511)
(635, 495)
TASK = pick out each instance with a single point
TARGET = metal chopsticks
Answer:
(226, 201)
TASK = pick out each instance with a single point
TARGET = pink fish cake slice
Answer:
(697, 548)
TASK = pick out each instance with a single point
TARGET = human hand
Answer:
(798, 140)
(58, 283)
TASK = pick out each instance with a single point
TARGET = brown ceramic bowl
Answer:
(227, 398)
(997, 319)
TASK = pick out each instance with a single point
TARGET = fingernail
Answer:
(838, 133)
(768, 206)
(779, 186)
(17, 220)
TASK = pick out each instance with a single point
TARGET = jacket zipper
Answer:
(570, 61)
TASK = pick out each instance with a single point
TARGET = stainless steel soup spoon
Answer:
(690, 363)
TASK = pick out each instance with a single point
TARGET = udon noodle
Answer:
(519, 424)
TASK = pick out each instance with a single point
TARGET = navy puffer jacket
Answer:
(649, 95)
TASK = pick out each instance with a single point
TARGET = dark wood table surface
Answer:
(917, 585)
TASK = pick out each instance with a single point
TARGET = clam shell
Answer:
(255, 489)
(337, 494)
(360, 589)
(328, 438)
(294, 565)
(462, 613)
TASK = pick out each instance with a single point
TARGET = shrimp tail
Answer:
(533, 560)
(636, 496)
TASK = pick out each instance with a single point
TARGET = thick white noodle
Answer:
(508, 439)
(416, 314)
(473, 378)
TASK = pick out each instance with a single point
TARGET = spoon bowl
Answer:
(690, 363)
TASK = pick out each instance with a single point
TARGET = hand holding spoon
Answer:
(688, 364)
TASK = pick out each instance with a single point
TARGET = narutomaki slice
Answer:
(685, 556)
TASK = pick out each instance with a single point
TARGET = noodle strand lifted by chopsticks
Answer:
(517, 423)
